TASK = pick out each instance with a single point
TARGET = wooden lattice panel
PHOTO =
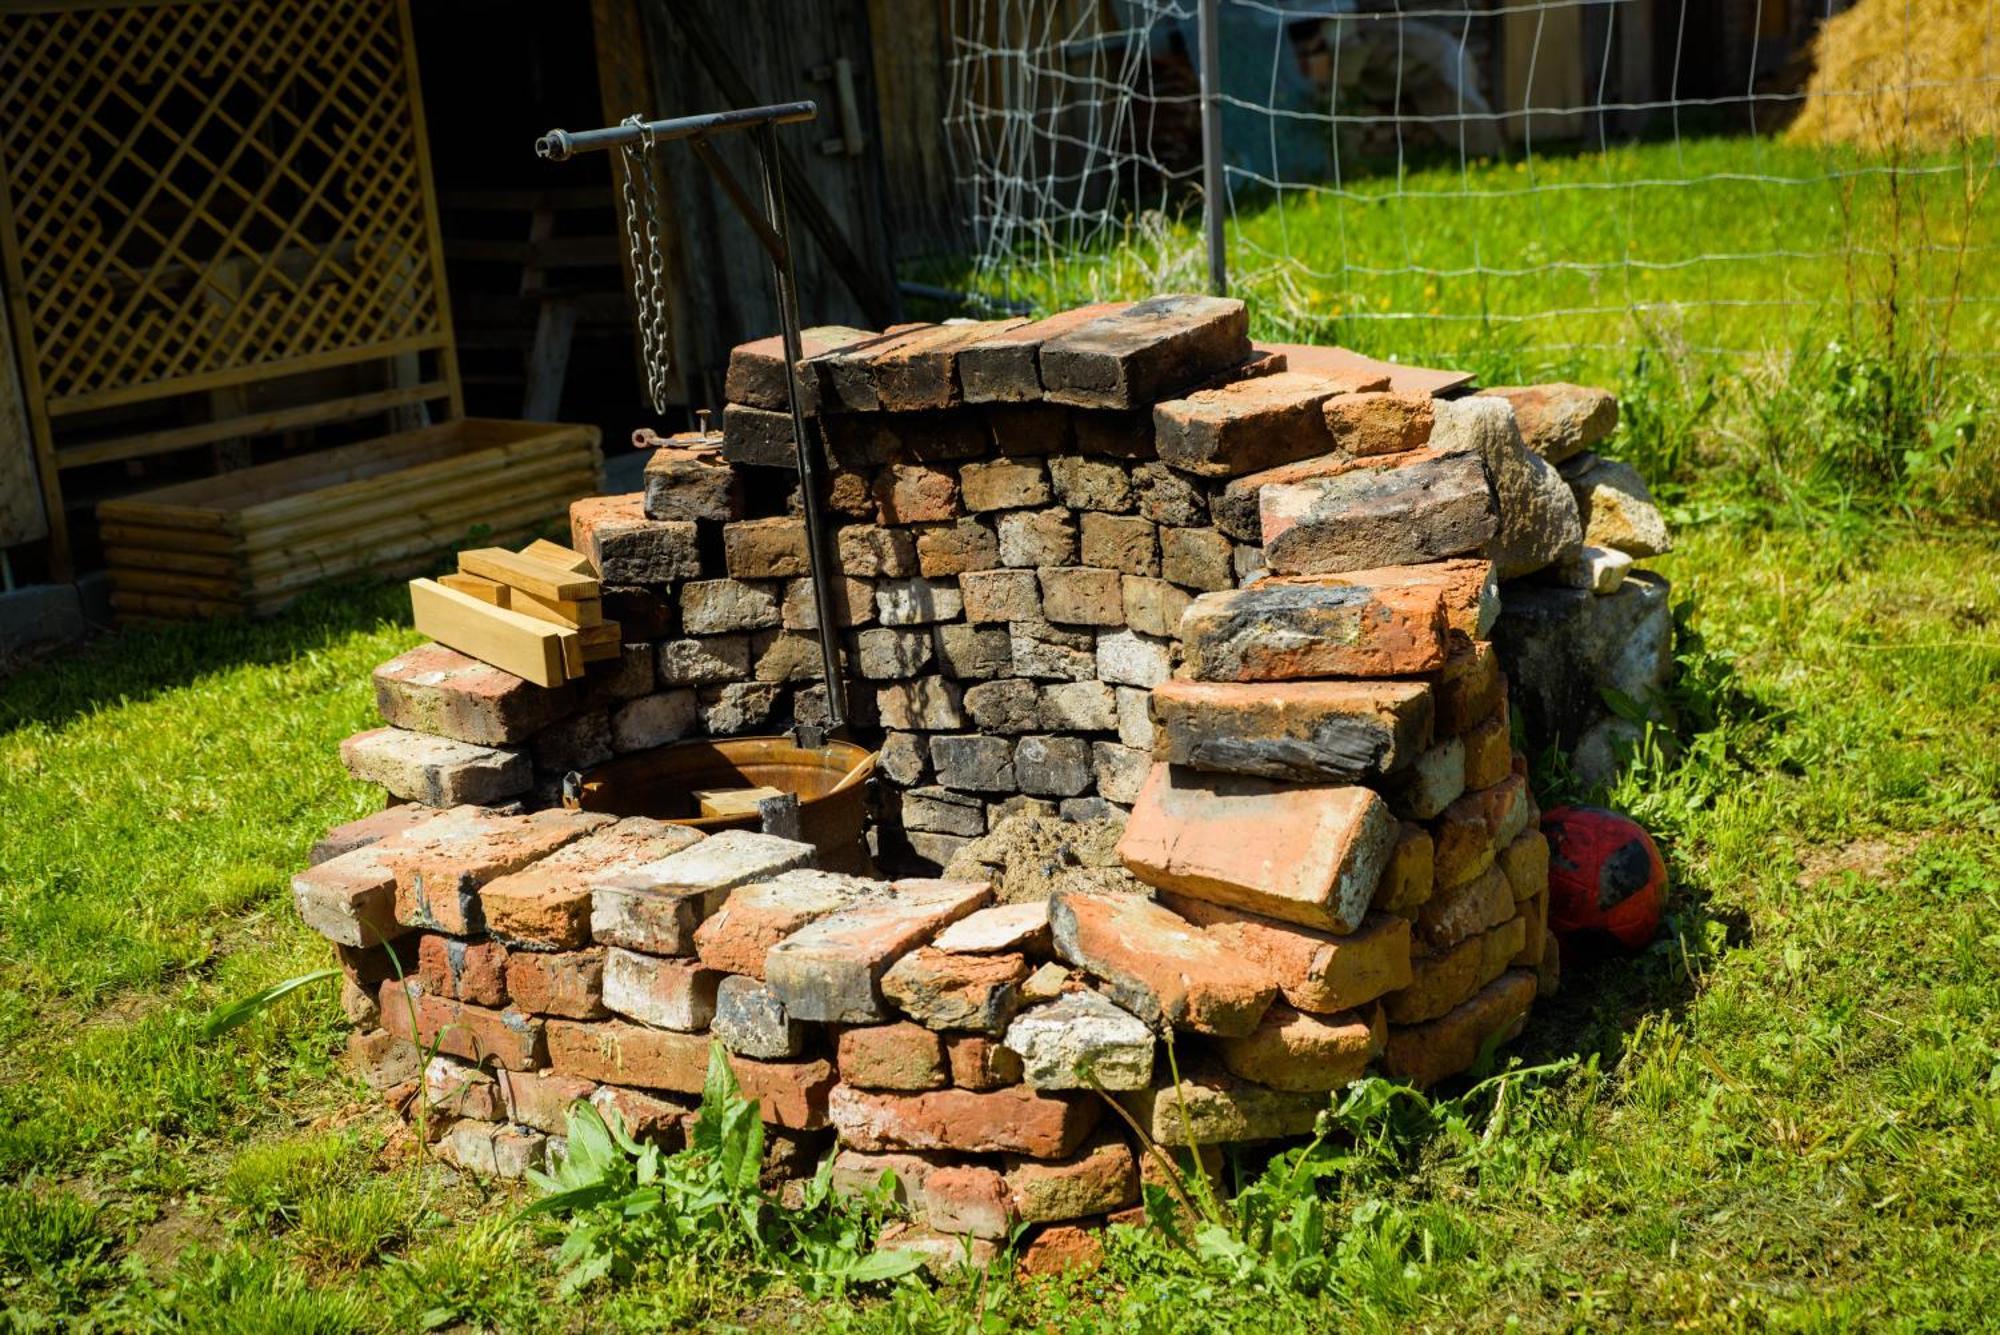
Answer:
(206, 194)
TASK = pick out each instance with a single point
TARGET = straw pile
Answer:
(1918, 74)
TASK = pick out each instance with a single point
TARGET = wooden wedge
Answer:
(485, 590)
(541, 549)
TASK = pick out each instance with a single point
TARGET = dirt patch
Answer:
(1872, 859)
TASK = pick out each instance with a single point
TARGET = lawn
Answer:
(1787, 1115)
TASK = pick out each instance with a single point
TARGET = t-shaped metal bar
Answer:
(562, 145)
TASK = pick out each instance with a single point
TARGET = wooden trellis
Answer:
(199, 196)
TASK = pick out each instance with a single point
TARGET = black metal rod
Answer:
(562, 145)
(817, 538)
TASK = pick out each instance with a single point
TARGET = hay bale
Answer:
(1910, 73)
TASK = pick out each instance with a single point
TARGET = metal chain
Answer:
(642, 239)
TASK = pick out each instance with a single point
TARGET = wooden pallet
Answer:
(251, 541)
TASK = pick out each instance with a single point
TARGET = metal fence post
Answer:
(1214, 196)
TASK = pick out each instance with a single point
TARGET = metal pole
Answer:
(562, 145)
(1214, 194)
(816, 536)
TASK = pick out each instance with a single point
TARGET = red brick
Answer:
(548, 904)
(1462, 843)
(766, 548)
(756, 374)
(1534, 931)
(1307, 1053)
(1063, 1249)
(1304, 731)
(901, 1056)
(1467, 688)
(1246, 426)
(998, 366)
(456, 1090)
(350, 899)
(1287, 630)
(1489, 751)
(542, 1099)
(345, 838)
(437, 690)
(947, 991)
(1465, 585)
(508, 1039)
(440, 866)
(1410, 877)
(1150, 350)
(981, 1063)
(1525, 863)
(1158, 965)
(1304, 853)
(1452, 915)
(831, 970)
(1315, 971)
(970, 1199)
(789, 1094)
(646, 1116)
(474, 971)
(665, 993)
(1381, 423)
(1500, 947)
(1095, 1180)
(1427, 1053)
(916, 494)
(568, 983)
(1437, 983)
(1014, 1120)
(1424, 509)
(755, 917)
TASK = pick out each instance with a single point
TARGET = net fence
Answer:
(1538, 179)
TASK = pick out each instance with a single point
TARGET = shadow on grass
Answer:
(141, 662)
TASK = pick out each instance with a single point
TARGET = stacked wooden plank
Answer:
(537, 613)
(251, 541)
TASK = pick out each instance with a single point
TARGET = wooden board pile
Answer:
(252, 540)
(1114, 569)
(537, 613)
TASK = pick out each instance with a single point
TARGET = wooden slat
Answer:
(167, 558)
(573, 613)
(513, 643)
(474, 586)
(572, 654)
(541, 549)
(249, 424)
(522, 572)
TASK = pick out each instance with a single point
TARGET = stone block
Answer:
(830, 971)
(1080, 706)
(937, 810)
(758, 437)
(653, 720)
(1245, 426)
(1011, 1120)
(923, 704)
(975, 764)
(853, 603)
(432, 689)
(1158, 965)
(1539, 523)
(955, 548)
(704, 662)
(1197, 558)
(1120, 771)
(1125, 543)
(1048, 652)
(869, 551)
(1153, 606)
(1435, 507)
(1411, 876)
(887, 654)
(905, 758)
(1010, 705)
(1127, 658)
(1001, 595)
(1082, 596)
(1135, 718)
(1306, 731)
(1037, 538)
(657, 907)
(981, 1063)
(766, 548)
(1149, 351)
(691, 483)
(436, 771)
(1304, 853)
(1286, 631)
(1616, 508)
(1101, 1177)
(737, 708)
(581, 741)
(917, 602)
(1052, 766)
(723, 606)
(1080, 1037)
(1004, 484)
(1084, 483)
(997, 930)
(974, 653)
(1559, 421)
(1218, 1108)
(1452, 915)
(756, 373)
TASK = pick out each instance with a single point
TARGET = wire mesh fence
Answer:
(1538, 180)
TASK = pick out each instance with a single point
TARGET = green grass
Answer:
(1788, 1116)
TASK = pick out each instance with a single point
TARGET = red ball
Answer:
(1605, 875)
